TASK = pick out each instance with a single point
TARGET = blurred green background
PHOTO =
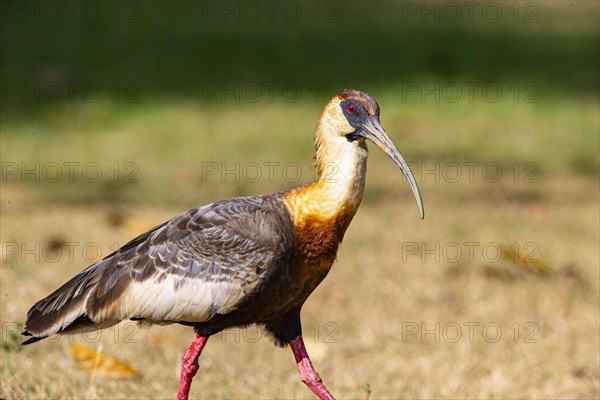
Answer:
(156, 95)
(171, 48)
(74, 71)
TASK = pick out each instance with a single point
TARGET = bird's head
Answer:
(350, 118)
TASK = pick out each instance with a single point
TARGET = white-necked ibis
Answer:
(242, 261)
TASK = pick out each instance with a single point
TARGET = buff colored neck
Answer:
(342, 167)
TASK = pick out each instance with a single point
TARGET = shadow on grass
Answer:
(233, 51)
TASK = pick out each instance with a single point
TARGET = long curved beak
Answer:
(373, 131)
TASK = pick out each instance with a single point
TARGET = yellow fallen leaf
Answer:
(95, 362)
(525, 258)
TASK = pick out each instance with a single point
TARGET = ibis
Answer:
(236, 262)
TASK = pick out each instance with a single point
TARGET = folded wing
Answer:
(201, 263)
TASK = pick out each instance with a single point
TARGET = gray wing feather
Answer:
(200, 263)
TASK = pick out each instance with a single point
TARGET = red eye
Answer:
(351, 108)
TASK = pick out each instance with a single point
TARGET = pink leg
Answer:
(189, 366)
(307, 373)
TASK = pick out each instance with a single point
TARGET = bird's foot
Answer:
(189, 366)
(308, 375)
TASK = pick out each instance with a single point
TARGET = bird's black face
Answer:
(357, 116)
(367, 126)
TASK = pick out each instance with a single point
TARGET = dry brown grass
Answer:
(373, 295)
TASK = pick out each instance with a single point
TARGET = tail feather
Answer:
(65, 309)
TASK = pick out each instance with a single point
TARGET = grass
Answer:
(358, 321)
(385, 322)
(183, 50)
